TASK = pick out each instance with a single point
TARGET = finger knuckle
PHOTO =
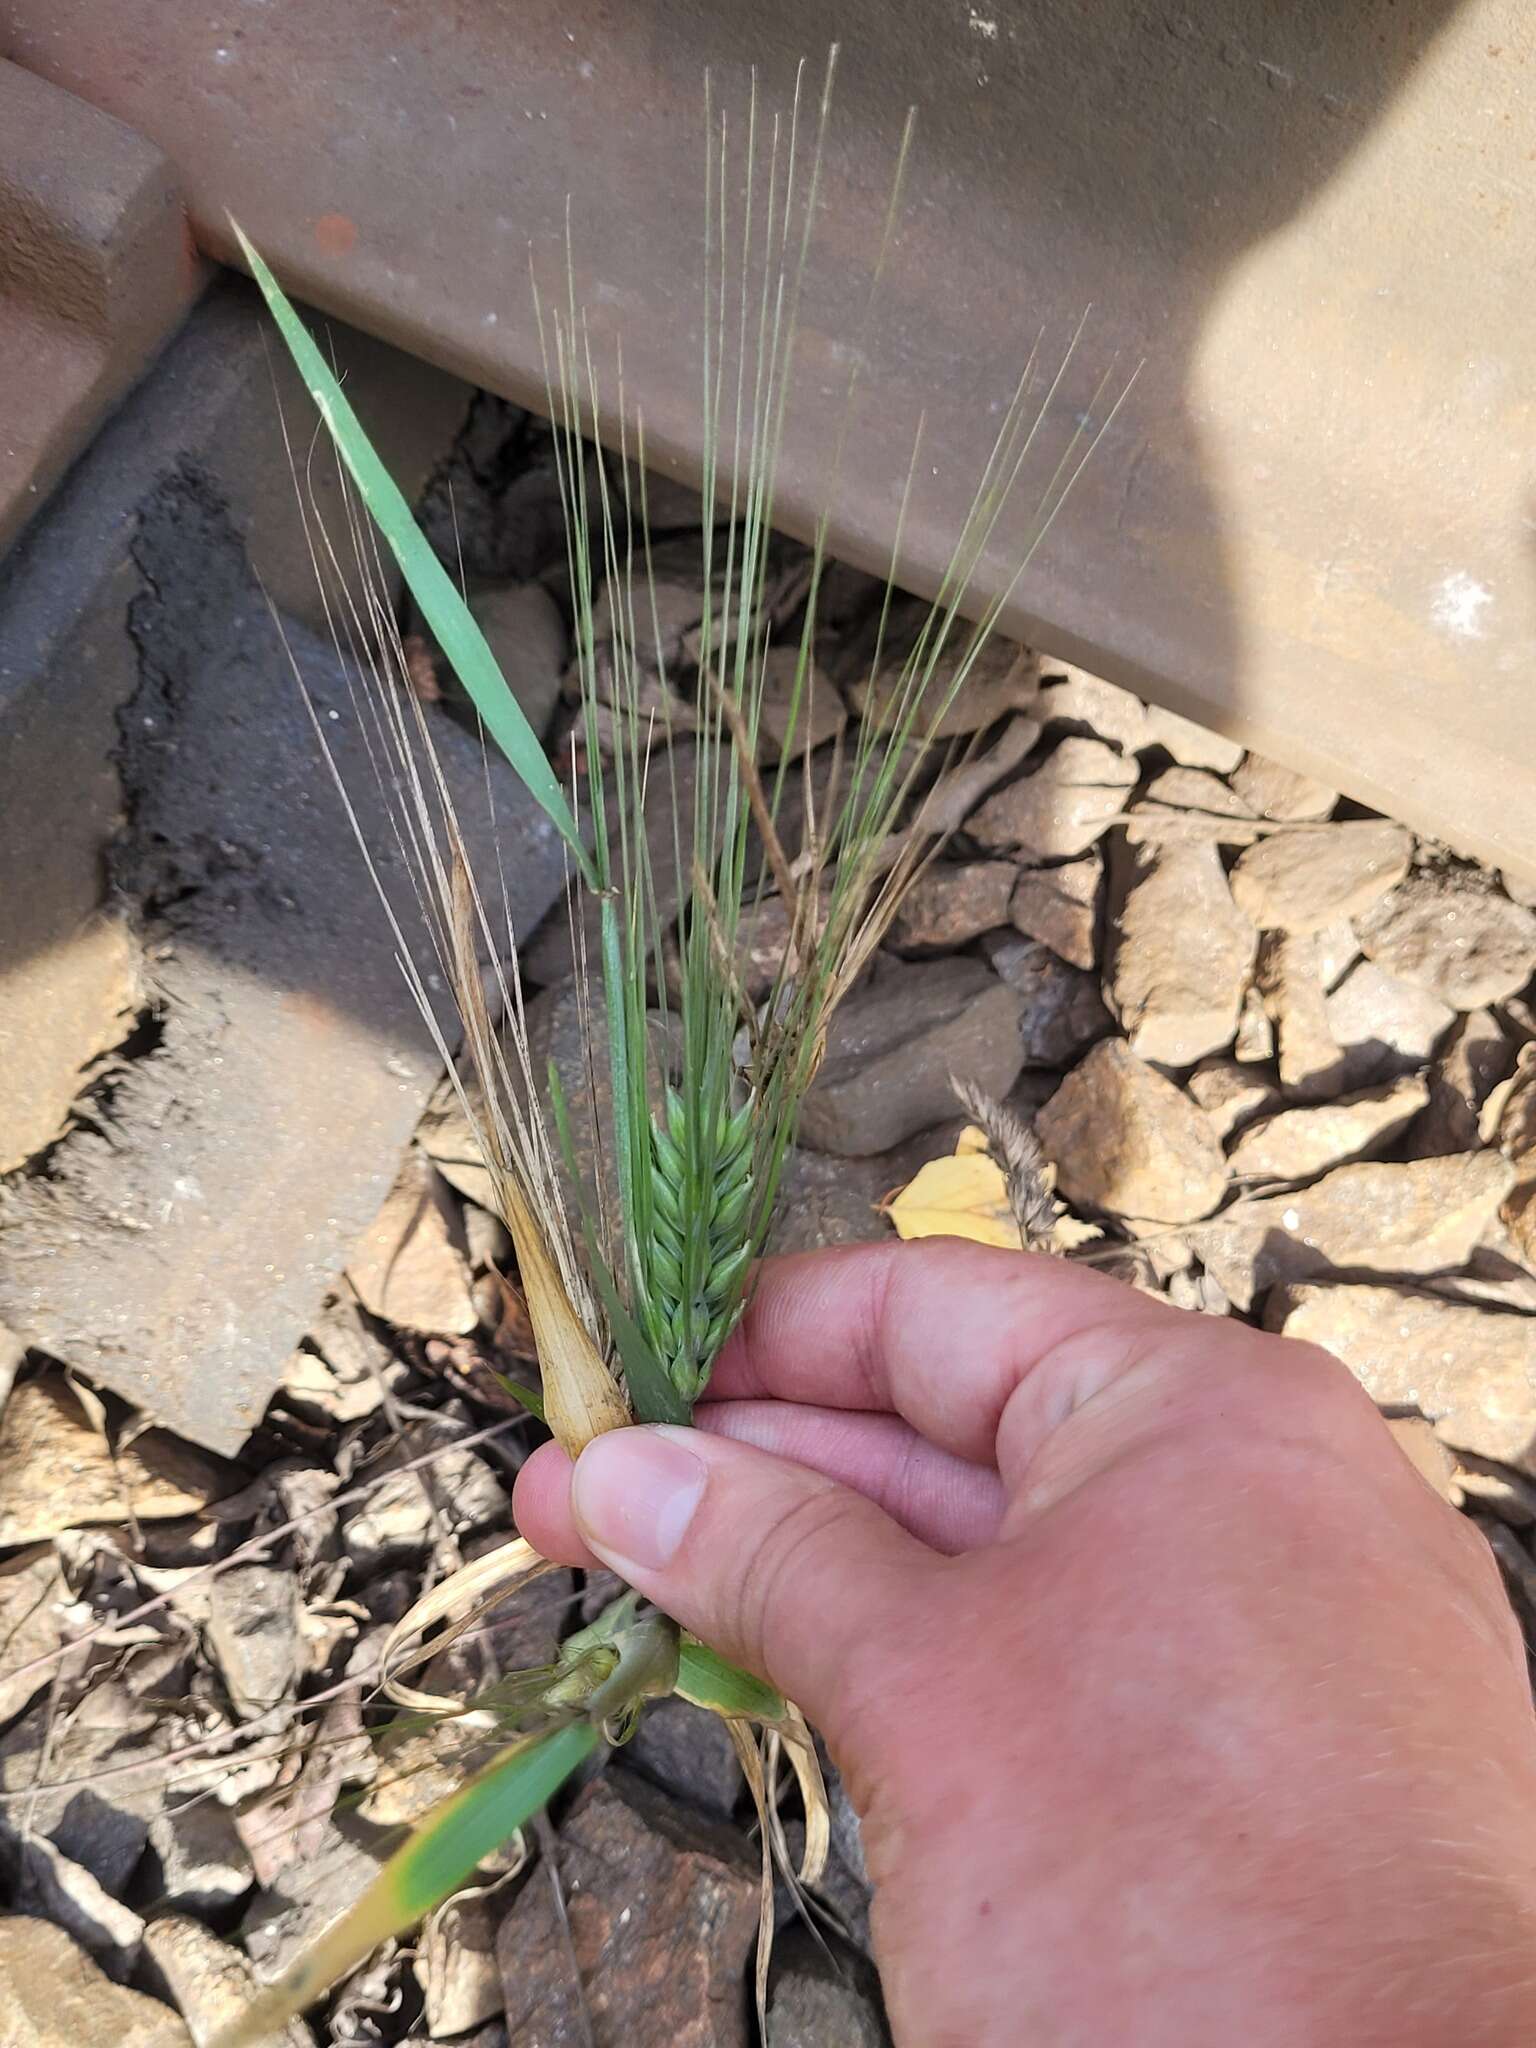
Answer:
(771, 1589)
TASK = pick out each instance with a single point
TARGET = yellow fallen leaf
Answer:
(964, 1195)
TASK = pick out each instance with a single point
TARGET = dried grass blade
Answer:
(458, 1599)
(795, 1739)
(744, 1743)
(581, 1397)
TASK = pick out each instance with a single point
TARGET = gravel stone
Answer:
(1063, 807)
(894, 1043)
(1126, 1140)
(1182, 956)
(1302, 881)
(1453, 934)
(1471, 1371)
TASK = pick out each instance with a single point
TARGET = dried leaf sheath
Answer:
(581, 1397)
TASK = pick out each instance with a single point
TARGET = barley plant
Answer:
(633, 1285)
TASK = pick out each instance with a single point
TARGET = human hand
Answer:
(1178, 1707)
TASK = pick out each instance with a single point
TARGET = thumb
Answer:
(777, 1567)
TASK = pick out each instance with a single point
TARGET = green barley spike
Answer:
(706, 1208)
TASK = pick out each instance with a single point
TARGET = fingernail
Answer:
(634, 1492)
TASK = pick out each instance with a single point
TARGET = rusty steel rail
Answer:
(1313, 526)
(97, 267)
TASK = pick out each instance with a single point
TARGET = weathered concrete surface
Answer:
(97, 267)
(1253, 545)
(69, 968)
(175, 1244)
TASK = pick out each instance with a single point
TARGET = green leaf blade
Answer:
(432, 587)
(495, 1803)
(429, 1867)
(705, 1678)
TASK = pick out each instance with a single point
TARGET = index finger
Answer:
(939, 1331)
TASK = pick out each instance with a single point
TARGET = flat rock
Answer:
(1195, 789)
(88, 993)
(1063, 807)
(1337, 951)
(1126, 1140)
(395, 1520)
(53, 1996)
(827, 1200)
(1474, 1059)
(211, 1982)
(847, 1881)
(814, 2004)
(1304, 880)
(1289, 982)
(252, 1633)
(41, 1879)
(1064, 1012)
(662, 1907)
(1182, 955)
(958, 789)
(410, 1266)
(952, 903)
(203, 1864)
(1471, 1371)
(346, 1373)
(1384, 1025)
(661, 619)
(526, 632)
(762, 939)
(1423, 1216)
(57, 1473)
(1507, 1117)
(1059, 907)
(87, 1804)
(1191, 745)
(1296, 1144)
(1234, 1092)
(1089, 706)
(1269, 790)
(31, 1588)
(1001, 680)
(313, 1890)
(447, 1137)
(1453, 933)
(894, 1043)
(178, 1254)
(819, 716)
(1518, 1214)
(687, 1751)
(1190, 806)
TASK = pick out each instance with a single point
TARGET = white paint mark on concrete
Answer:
(1459, 604)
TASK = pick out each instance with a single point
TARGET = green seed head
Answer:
(697, 1258)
